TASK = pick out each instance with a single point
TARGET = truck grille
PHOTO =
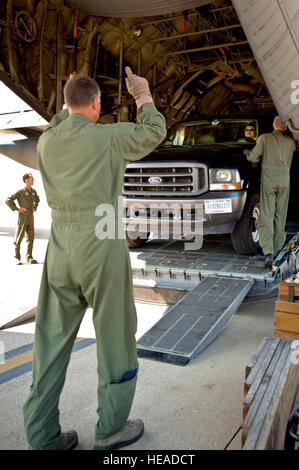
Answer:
(165, 179)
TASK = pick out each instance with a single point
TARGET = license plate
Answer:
(135, 212)
(218, 206)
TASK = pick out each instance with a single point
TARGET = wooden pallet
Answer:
(271, 381)
(288, 292)
(285, 335)
(286, 319)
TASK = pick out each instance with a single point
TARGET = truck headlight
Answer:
(223, 179)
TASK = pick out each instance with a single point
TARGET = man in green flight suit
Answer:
(82, 164)
(276, 151)
(28, 201)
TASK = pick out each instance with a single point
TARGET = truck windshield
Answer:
(217, 131)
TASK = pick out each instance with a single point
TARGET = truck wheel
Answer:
(245, 237)
(137, 242)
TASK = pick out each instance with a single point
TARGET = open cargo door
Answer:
(272, 29)
(22, 116)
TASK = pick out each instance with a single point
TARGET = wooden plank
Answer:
(254, 378)
(284, 287)
(285, 335)
(257, 375)
(253, 401)
(264, 345)
(286, 322)
(259, 409)
(159, 295)
(272, 435)
(288, 307)
(285, 298)
(21, 319)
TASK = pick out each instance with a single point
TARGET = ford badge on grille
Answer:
(155, 180)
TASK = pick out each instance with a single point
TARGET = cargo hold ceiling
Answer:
(135, 8)
(198, 61)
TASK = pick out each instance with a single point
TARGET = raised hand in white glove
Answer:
(138, 87)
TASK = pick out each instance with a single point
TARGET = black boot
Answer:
(69, 440)
(269, 261)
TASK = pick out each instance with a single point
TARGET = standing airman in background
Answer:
(276, 151)
(28, 201)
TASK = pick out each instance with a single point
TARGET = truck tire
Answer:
(137, 242)
(245, 237)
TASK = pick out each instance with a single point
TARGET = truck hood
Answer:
(213, 155)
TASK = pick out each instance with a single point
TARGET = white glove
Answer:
(138, 87)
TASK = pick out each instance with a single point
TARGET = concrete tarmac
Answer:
(195, 407)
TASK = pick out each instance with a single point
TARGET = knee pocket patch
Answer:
(127, 376)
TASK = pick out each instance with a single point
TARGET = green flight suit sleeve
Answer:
(57, 119)
(255, 154)
(36, 200)
(10, 201)
(135, 141)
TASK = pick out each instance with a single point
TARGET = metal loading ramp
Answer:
(216, 257)
(218, 280)
(190, 325)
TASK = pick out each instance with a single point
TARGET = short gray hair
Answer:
(80, 90)
(278, 123)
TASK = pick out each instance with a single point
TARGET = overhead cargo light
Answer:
(137, 32)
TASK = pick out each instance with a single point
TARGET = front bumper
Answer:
(158, 215)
